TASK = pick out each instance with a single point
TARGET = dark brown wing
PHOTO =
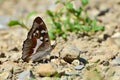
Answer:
(37, 39)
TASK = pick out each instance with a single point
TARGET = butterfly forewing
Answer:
(37, 43)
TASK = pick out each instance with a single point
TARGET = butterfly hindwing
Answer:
(37, 43)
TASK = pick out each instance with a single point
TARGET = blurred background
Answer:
(15, 9)
(19, 9)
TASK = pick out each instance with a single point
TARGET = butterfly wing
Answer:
(37, 43)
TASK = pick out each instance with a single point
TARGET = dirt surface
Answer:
(95, 57)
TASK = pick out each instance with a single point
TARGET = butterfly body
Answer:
(37, 45)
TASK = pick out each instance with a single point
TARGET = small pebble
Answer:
(79, 67)
(25, 75)
(116, 61)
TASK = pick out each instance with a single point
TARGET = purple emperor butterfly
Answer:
(37, 45)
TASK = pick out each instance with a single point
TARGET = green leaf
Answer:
(58, 31)
(95, 27)
(78, 11)
(84, 2)
(57, 25)
(99, 28)
(64, 36)
(69, 6)
(16, 22)
(86, 28)
(77, 26)
(51, 34)
(50, 13)
(13, 23)
(71, 26)
(88, 20)
(93, 24)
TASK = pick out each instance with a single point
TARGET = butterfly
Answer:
(37, 45)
